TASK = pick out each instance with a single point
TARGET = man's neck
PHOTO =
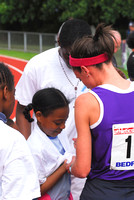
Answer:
(62, 56)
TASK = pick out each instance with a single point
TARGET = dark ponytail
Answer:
(26, 112)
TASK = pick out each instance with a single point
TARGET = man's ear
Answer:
(58, 42)
(5, 93)
(38, 115)
(84, 69)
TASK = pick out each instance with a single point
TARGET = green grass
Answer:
(17, 54)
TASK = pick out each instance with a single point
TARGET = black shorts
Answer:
(97, 189)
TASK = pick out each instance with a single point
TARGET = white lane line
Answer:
(15, 68)
(14, 58)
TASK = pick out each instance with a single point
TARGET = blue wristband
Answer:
(70, 168)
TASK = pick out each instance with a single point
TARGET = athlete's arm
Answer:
(86, 111)
(22, 123)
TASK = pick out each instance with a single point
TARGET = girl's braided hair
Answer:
(6, 77)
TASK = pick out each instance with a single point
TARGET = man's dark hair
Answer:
(71, 30)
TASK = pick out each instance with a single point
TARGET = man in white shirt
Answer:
(51, 69)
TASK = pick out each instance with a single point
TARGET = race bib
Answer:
(122, 153)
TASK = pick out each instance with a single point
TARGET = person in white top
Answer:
(51, 69)
(18, 176)
(49, 144)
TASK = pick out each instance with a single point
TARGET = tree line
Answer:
(48, 15)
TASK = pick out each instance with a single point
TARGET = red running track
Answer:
(17, 66)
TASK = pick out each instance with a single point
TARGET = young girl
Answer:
(104, 120)
(48, 144)
(16, 180)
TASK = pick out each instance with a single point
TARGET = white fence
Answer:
(38, 42)
(27, 41)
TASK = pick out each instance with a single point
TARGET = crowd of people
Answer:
(73, 136)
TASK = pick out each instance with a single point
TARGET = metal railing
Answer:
(27, 41)
(39, 42)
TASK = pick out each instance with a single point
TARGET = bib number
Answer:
(122, 152)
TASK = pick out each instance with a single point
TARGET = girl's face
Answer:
(53, 124)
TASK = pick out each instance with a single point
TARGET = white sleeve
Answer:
(19, 178)
(27, 84)
(40, 166)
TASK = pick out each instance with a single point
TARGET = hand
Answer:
(70, 164)
(64, 165)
